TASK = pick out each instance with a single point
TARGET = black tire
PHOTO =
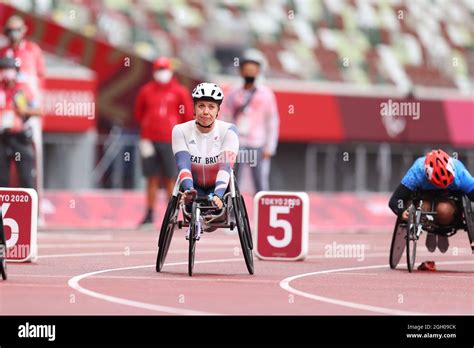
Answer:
(243, 208)
(398, 244)
(245, 217)
(166, 232)
(243, 233)
(192, 240)
(3, 268)
(411, 240)
(3, 250)
(469, 217)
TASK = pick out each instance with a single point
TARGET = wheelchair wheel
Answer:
(398, 243)
(192, 240)
(166, 233)
(245, 216)
(244, 232)
(469, 217)
(411, 240)
(3, 250)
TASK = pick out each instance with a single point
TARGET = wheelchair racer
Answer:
(435, 171)
(205, 149)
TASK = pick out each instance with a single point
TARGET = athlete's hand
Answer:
(405, 215)
(189, 195)
(217, 201)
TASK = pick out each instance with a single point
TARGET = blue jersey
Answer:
(415, 178)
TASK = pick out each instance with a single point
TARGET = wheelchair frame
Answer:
(419, 220)
(233, 214)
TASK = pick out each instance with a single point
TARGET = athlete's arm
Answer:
(399, 198)
(227, 157)
(183, 160)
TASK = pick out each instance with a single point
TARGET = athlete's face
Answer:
(206, 112)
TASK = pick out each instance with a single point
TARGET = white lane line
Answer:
(74, 283)
(192, 279)
(23, 285)
(353, 273)
(131, 252)
(38, 276)
(460, 277)
(285, 284)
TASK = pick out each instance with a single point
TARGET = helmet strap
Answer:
(205, 126)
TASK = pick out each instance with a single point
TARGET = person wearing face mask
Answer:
(253, 108)
(17, 105)
(27, 53)
(160, 105)
(29, 58)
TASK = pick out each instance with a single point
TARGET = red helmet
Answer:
(439, 168)
(162, 63)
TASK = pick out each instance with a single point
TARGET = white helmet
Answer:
(208, 91)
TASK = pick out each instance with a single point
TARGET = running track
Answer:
(113, 273)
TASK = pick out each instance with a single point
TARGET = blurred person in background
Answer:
(29, 58)
(28, 54)
(252, 107)
(161, 104)
(17, 106)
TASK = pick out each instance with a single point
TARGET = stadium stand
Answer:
(396, 42)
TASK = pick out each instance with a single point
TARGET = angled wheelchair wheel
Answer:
(398, 244)
(245, 216)
(244, 234)
(3, 250)
(166, 232)
(469, 217)
(192, 240)
(411, 240)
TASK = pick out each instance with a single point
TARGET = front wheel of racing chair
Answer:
(168, 227)
(243, 227)
(193, 232)
(413, 225)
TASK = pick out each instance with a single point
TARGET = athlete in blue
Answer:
(436, 171)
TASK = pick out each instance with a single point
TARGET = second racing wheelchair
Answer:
(203, 216)
(407, 233)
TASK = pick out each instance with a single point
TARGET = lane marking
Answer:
(182, 251)
(285, 284)
(460, 277)
(33, 285)
(193, 279)
(74, 283)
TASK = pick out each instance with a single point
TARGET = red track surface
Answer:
(58, 284)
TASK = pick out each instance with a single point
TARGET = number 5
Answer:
(275, 223)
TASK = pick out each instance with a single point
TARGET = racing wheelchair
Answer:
(407, 233)
(203, 216)
(3, 250)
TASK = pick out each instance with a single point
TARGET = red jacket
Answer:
(159, 107)
(32, 68)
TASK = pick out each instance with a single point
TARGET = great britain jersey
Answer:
(205, 160)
